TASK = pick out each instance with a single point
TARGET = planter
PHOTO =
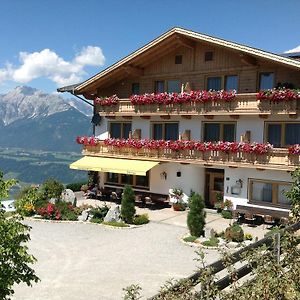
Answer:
(178, 207)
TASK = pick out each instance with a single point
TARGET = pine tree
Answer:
(127, 205)
(196, 215)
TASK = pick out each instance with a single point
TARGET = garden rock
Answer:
(232, 245)
(52, 200)
(209, 232)
(85, 215)
(68, 196)
(113, 215)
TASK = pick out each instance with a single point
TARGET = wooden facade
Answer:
(192, 59)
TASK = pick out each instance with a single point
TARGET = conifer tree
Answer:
(127, 205)
(196, 215)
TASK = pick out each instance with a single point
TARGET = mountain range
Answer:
(32, 119)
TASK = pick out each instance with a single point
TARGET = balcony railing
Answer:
(275, 159)
(243, 104)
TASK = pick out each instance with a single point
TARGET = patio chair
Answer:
(250, 218)
(284, 221)
(269, 221)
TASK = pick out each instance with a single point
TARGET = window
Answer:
(231, 83)
(174, 86)
(165, 131)
(135, 88)
(214, 132)
(270, 192)
(123, 179)
(159, 87)
(208, 56)
(178, 59)
(266, 81)
(126, 179)
(283, 134)
(120, 130)
(214, 83)
(112, 178)
(170, 86)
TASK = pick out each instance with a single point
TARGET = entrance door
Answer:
(214, 185)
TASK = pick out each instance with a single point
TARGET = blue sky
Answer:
(47, 44)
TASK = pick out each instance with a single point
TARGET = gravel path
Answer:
(86, 261)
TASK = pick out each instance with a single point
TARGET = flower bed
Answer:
(87, 141)
(278, 95)
(107, 101)
(295, 149)
(226, 147)
(182, 98)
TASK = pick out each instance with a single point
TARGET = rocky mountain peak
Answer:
(25, 102)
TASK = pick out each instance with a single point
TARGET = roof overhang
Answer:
(172, 38)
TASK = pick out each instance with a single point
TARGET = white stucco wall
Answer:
(101, 131)
(232, 175)
(192, 178)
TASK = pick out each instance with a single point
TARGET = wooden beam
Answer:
(210, 117)
(166, 117)
(188, 117)
(134, 71)
(235, 117)
(89, 96)
(293, 115)
(127, 117)
(110, 117)
(185, 42)
(263, 116)
(145, 117)
(248, 60)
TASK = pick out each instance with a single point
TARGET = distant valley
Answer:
(37, 135)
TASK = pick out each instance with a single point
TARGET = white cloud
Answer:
(91, 56)
(48, 64)
(297, 49)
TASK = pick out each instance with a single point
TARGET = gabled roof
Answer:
(82, 87)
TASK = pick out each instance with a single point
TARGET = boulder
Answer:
(209, 232)
(68, 196)
(113, 215)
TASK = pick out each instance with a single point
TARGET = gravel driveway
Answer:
(86, 261)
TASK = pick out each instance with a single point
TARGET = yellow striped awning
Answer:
(114, 165)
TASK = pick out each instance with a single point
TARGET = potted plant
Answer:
(178, 199)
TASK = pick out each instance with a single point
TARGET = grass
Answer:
(116, 224)
(212, 242)
(190, 239)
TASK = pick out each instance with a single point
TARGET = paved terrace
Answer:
(87, 261)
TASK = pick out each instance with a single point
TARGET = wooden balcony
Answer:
(277, 159)
(243, 104)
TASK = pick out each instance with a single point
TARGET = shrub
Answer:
(25, 203)
(234, 233)
(76, 186)
(49, 212)
(274, 230)
(248, 237)
(67, 211)
(99, 213)
(196, 215)
(226, 214)
(127, 205)
(51, 188)
(190, 239)
(212, 242)
(141, 219)
(220, 234)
